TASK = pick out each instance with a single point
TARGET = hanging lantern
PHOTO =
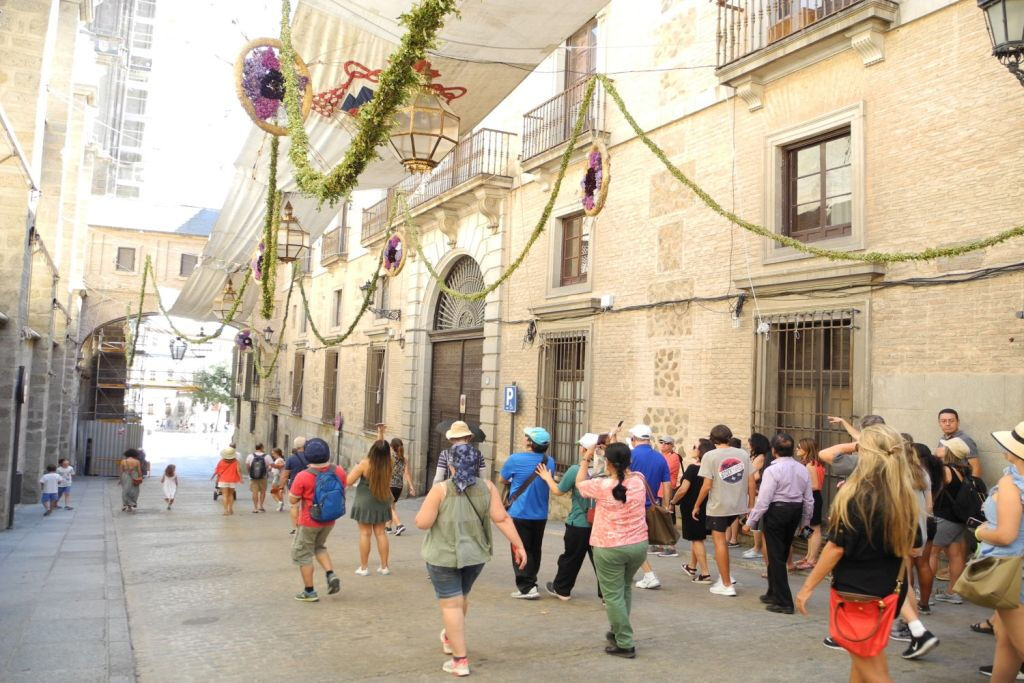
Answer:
(268, 334)
(292, 240)
(424, 131)
(178, 347)
(227, 301)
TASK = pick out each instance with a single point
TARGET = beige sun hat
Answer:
(458, 430)
(1013, 440)
(228, 453)
(957, 447)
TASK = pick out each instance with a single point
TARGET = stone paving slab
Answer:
(210, 596)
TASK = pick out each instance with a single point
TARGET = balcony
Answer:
(334, 246)
(483, 157)
(548, 126)
(761, 40)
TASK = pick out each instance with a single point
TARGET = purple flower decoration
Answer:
(263, 82)
(257, 268)
(591, 182)
(244, 340)
(393, 253)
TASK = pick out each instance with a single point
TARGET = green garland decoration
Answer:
(265, 373)
(375, 118)
(269, 257)
(133, 337)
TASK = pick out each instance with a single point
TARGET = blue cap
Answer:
(538, 435)
(317, 452)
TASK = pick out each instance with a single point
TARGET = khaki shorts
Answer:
(309, 540)
(258, 485)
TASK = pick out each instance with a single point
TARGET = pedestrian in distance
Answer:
(785, 503)
(576, 540)
(258, 465)
(728, 488)
(871, 534)
(648, 462)
(933, 467)
(619, 537)
(949, 529)
(371, 507)
(276, 482)
(667, 448)
(50, 484)
(949, 424)
(228, 475)
(67, 473)
(527, 504)
(807, 453)
(293, 465)
(318, 494)
(694, 526)
(458, 543)
(399, 476)
(169, 480)
(129, 478)
(1002, 535)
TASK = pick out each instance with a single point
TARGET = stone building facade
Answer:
(850, 127)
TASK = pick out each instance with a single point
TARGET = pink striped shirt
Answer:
(615, 523)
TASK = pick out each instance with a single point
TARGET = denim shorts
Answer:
(451, 582)
(50, 498)
(63, 490)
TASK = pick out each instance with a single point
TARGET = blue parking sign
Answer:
(511, 398)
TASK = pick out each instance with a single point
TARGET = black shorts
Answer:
(396, 492)
(930, 526)
(816, 514)
(719, 523)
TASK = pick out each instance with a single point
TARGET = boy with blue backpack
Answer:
(320, 492)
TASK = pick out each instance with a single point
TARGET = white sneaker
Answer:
(751, 555)
(720, 589)
(457, 667)
(363, 571)
(383, 571)
(532, 595)
(649, 581)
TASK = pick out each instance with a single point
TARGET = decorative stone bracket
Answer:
(448, 223)
(488, 204)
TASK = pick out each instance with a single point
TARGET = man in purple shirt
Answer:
(785, 503)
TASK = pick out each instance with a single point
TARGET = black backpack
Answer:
(969, 499)
(258, 467)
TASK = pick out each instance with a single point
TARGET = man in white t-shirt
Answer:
(258, 465)
(50, 483)
(729, 489)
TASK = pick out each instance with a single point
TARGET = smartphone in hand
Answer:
(973, 523)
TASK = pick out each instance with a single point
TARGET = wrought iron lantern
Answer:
(1005, 20)
(292, 240)
(424, 131)
(178, 348)
(227, 301)
(268, 334)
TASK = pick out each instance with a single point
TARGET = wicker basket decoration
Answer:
(260, 84)
(596, 178)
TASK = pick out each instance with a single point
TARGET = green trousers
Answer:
(615, 570)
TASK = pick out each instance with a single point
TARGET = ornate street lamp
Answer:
(227, 301)
(1005, 20)
(268, 334)
(292, 240)
(424, 131)
(178, 348)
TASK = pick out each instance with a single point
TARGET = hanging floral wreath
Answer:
(395, 252)
(257, 262)
(597, 176)
(260, 84)
(244, 340)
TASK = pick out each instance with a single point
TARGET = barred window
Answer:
(330, 385)
(373, 405)
(561, 401)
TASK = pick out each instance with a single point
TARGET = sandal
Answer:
(983, 627)
(804, 565)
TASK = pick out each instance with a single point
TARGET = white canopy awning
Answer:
(481, 57)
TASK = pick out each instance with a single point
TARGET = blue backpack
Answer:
(328, 496)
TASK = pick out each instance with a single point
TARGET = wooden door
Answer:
(456, 371)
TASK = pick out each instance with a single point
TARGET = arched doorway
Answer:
(457, 353)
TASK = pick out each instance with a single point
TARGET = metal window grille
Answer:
(297, 381)
(561, 401)
(126, 259)
(803, 374)
(383, 296)
(373, 406)
(330, 385)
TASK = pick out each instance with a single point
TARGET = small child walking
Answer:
(170, 482)
(50, 483)
(66, 472)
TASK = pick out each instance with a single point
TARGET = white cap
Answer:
(588, 440)
(640, 431)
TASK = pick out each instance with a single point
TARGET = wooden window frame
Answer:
(298, 377)
(337, 307)
(330, 380)
(789, 215)
(584, 36)
(565, 278)
(117, 260)
(373, 410)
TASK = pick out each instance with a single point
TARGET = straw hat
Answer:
(458, 430)
(1013, 440)
(228, 453)
(957, 447)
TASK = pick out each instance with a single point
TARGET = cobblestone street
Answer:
(211, 596)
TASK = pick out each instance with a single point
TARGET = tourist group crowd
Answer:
(894, 508)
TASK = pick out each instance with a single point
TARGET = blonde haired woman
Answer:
(871, 534)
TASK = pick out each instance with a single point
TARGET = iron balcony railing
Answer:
(551, 124)
(484, 153)
(746, 26)
(333, 247)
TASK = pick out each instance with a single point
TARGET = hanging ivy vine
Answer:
(270, 223)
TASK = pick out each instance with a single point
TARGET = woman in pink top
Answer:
(619, 538)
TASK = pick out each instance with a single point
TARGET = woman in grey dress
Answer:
(371, 508)
(130, 469)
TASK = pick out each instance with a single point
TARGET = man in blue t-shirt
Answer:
(652, 465)
(529, 509)
(295, 463)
